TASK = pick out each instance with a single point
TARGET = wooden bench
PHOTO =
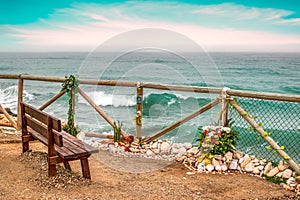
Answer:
(62, 147)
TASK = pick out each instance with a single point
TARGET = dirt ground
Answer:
(24, 176)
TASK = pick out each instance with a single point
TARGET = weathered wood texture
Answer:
(10, 118)
(62, 147)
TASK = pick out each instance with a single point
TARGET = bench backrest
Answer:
(40, 122)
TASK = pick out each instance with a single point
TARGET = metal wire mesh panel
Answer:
(280, 119)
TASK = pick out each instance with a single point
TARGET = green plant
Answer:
(70, 86)
(275, 179)
(117, 131)
(217, 139)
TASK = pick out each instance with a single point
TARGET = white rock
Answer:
(165, 148)
(282, 166)
(218, 167)
(215, 163)
(260, 167)
(229, 156)
(134, 150)
(193, 150)
(241, 160)
(238, 155)
(154, 145)
(268, 168)
(249, 167)
(174, 150)
(181, 150)
(218, 157)
(279, 174)
(224, 167)
(176, 145)
(287, 174)
(233, 165)
(181, 159)
(200, 167)
(210, 167)
(156, 151)
(247, 160)
(273, 172)
(188, 145)
(256, 171)
(150, 153)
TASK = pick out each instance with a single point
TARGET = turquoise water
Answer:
(264, 72)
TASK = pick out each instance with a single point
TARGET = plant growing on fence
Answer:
(70, 86)
(217, 139)
(117, 131)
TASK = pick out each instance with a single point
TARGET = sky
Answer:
(82, 25)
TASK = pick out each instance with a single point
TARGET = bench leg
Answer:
(51, 168)
(25, 146)
(85, 168)
(67, 165)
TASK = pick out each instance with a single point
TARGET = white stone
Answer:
(241, 160)
(150, 153)
(210, 167)
(215, 163)
(260, 167)
(181, 159)
(268, 168)
(279, 174)
(174, 150)
(200, 167)
(282, 166)
(224, 167)
(188, 145)
(218, 157)
(229, 156)
(156, 151)
(233, 165)
(176, 145)
(238, 155)
(193, 150)
(256, 171)
(181, 150)
(247, 160)
(273, 172)
(249, 167)
(134, 150)
(218, 167)
(154, 145)
(165, 148)
(287, 174)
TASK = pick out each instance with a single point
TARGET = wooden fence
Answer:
(224, 98)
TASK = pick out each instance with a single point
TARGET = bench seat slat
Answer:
(79, 143)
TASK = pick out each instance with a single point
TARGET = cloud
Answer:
(84, 26)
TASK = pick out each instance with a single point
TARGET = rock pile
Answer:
(193, 159)
(161, 149)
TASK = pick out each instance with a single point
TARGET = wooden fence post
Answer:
(20, 99)
(139, 110)
(224, 107)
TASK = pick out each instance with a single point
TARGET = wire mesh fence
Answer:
(280, 119)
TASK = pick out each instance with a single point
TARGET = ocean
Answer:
(263, 72)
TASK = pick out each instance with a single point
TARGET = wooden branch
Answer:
(183, 120)
(48, 103)
(264, 95)
(99, 110)
(20, 99)
(139, 111)
(98, 135)
(267, 138)
(11, 120)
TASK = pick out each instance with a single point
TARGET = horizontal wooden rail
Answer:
(158, 86)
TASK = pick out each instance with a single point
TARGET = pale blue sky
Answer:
(82, 25)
